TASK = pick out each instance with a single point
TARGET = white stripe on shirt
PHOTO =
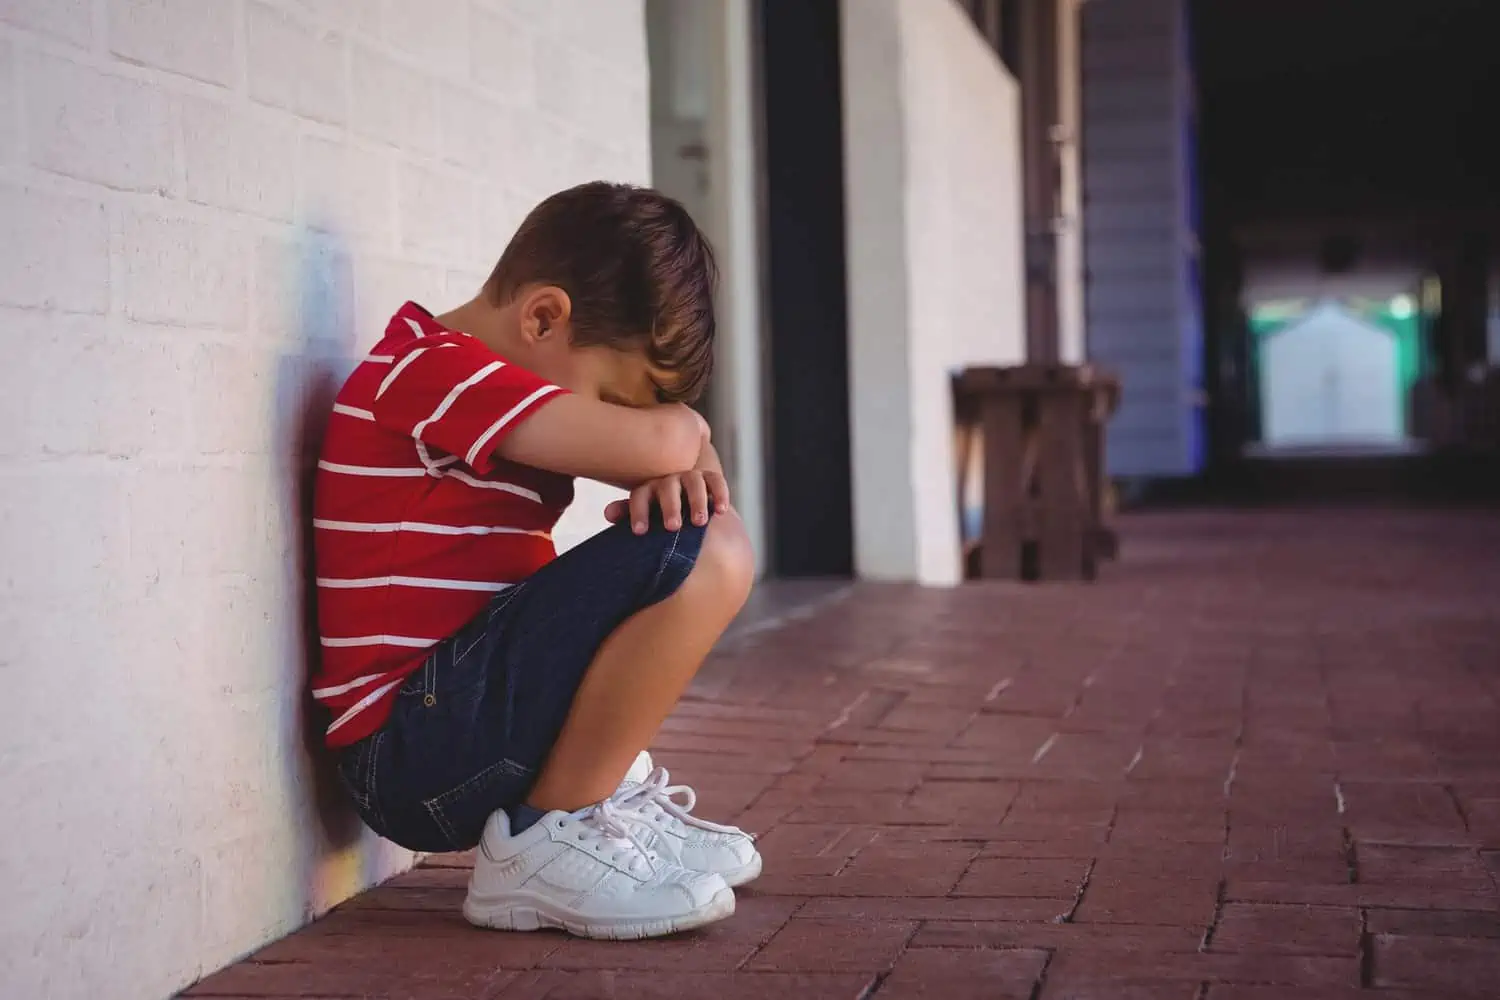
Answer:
(353, 411)
(358, 682)
(453, 394)
(404, 641)
(400, 367)
(372, 470)
(416, 328)
(485, 484)
(363, 703)
(424, 528)
(499, 425)
(434, 466)
(428, 582)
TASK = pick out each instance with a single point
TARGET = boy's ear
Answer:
(545, 311)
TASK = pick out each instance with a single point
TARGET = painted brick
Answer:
(591, 161)
(150, 497)
(182, 36)
(536, 153)
(474, 131)
(572, 87)
(435, 32)
(70, 20)
(229, 401)
(464, 285)
(44, 417)
(360, 17)
(504, 53)
(614, 32)
(10, 107)
(535, 14)
(392, 102)
(129, 395)
(97, 127)
(381, 285)
(296, 65)
(56, 255)
(436, 209)
(498, 215)
(304, 294)
(238, 159)
(183, 272)
(45, 563)
(347, 190)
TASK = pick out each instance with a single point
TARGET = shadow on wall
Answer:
(341, 856)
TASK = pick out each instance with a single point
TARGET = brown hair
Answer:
(639, 272)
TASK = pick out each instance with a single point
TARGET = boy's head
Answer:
(608, 290)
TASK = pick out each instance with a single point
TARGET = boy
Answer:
(483, 690)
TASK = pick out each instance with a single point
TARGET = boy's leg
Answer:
(550, 694)
(641, 670)
(601, 649)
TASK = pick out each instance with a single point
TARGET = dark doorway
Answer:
(807, 398)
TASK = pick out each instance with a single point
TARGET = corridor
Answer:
(1259, 760)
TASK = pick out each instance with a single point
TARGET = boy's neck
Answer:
(493, 326)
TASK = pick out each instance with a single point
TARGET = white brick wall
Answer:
(211, 208)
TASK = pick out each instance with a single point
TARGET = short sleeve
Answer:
(453, 393)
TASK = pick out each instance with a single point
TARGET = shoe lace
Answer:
(655, 792)
(615, 826)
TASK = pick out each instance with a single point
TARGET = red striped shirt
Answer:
(417, 523)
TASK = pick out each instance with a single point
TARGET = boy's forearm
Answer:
(706, 454)
(625, 446)
(708, 459)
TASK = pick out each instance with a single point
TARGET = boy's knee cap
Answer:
(727, 556)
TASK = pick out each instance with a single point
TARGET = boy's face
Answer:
(615, 375)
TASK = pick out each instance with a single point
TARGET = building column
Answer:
(1041, 173)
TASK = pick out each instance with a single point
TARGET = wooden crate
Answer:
(1041, 432)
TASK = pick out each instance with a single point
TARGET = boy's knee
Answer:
(726, 561)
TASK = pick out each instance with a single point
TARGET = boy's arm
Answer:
(702, 489)
(621, 445)
(708, 459)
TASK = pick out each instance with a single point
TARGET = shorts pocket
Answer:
(460, 813)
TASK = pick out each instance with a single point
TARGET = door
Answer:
(1332, 378)
(808, 393)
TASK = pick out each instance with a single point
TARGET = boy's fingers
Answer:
(669, 497)
(718, 488)
(697, 494)
(640, 510)
(615, 510)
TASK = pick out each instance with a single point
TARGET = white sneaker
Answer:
(591, 874)
(695, 844)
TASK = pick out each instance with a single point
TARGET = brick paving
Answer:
(1259, 760)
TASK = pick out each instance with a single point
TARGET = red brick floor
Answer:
(1260, 760)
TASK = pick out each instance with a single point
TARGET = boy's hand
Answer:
(702, 487)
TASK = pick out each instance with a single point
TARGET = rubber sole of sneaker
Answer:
(531, 913)
(740, 876)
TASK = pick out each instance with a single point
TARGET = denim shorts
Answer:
(472, 727)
